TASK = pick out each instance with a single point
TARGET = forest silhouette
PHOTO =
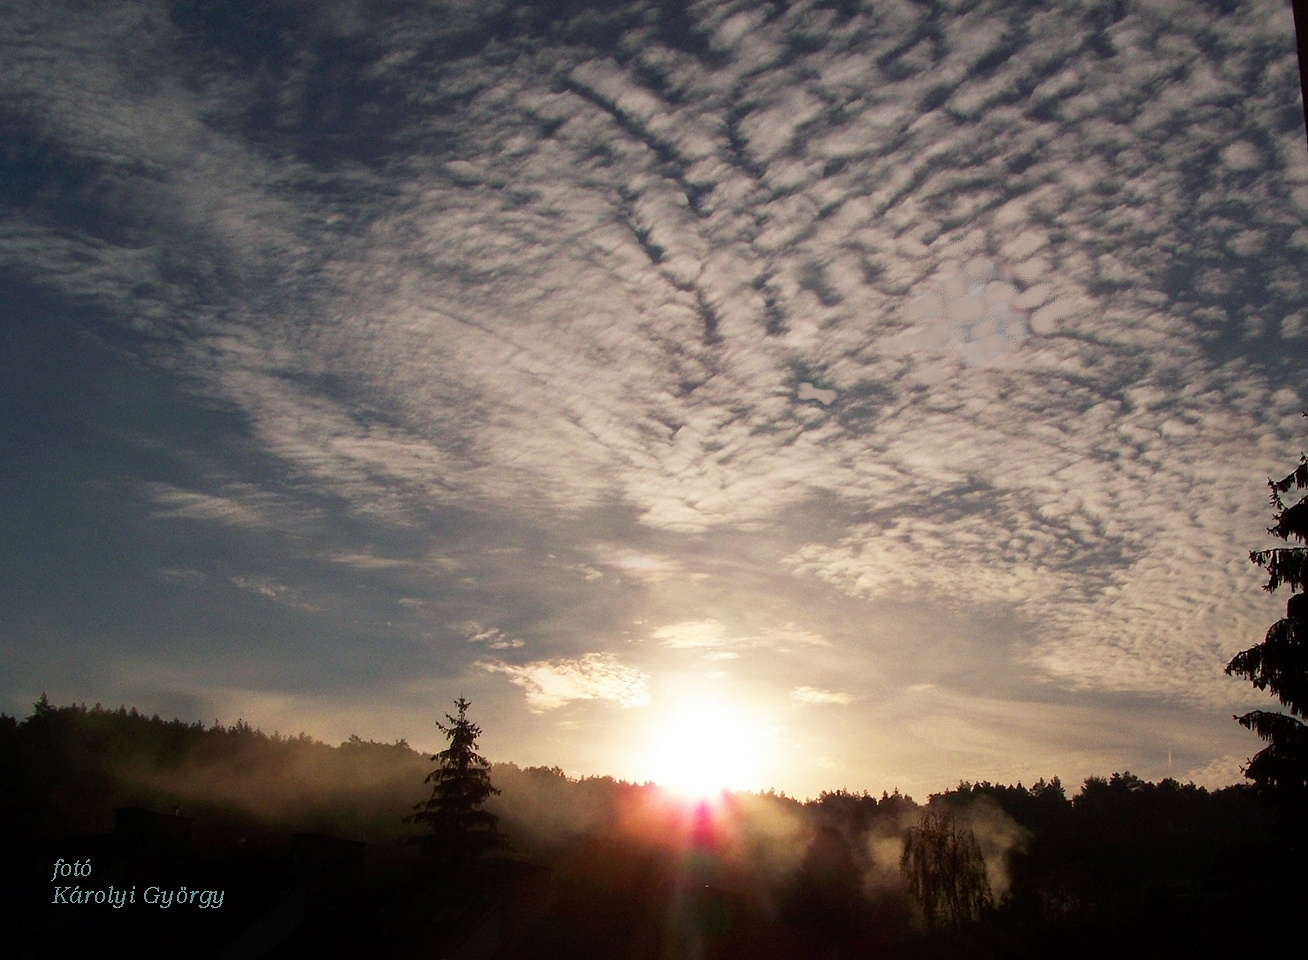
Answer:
(309, 842)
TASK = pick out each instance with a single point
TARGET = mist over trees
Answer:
(945, 871)
(66, 769)
(980, 870)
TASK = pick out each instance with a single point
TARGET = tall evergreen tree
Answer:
(1280, 662)
(461, 831)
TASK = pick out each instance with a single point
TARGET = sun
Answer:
(700, 749)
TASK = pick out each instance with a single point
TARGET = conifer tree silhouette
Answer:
(461, 831)
(1280, 662)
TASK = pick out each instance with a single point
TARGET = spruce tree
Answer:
(461, 831)
(1280, 662)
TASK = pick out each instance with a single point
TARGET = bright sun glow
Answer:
(701, 749)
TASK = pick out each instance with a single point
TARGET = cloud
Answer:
(818, 696)
(978, 312)
(639, 565)
(366, 560)
(692, 635)
(263, 586)
(1004, 325)
(494, 638)
(270, 588)
(712, 635)
(594, 676)
(1218, 773)
(789, 635)
(240, 506)
(809, 392)
(186, 576)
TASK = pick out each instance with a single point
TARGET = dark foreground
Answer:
(225, 843)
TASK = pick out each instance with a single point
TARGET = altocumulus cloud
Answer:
(595, 676)
(1011, 296)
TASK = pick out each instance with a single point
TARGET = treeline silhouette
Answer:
(67, 769)
(599, 867)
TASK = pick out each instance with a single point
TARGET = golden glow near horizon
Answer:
(699, 748)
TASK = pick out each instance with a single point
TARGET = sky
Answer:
(859, 395)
